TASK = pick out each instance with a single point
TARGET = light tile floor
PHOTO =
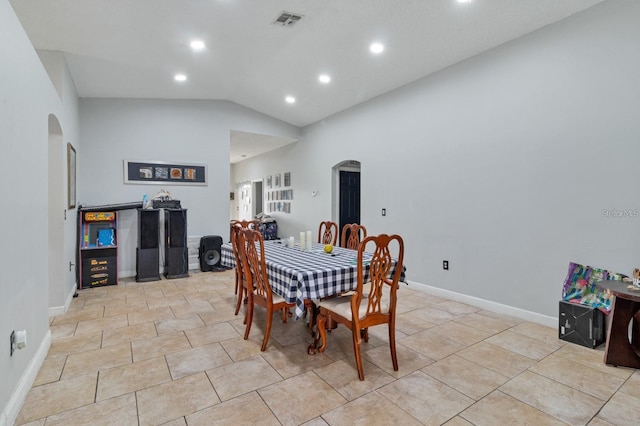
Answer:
(171, 352)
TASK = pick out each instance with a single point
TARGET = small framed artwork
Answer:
(277, 181)
(287, 179)
(268, 181)
(71, 177)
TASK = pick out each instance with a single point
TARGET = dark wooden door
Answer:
(349, 198)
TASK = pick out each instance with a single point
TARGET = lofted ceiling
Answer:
(133, 48)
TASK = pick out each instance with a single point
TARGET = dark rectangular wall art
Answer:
(164, 173)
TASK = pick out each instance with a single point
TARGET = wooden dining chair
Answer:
(352, 234)
(253, 224)
(373, 302)
(251, 244)
(328, 233)
(241, 278)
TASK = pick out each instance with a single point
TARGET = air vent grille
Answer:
(287, 19)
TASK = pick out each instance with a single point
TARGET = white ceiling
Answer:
(133, 48)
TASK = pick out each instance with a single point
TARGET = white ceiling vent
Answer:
(287, 19)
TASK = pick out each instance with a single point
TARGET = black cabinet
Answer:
(176, 257)
(148, 250)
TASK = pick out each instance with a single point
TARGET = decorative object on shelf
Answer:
(635, 283)
(164, 173)
(71, 177)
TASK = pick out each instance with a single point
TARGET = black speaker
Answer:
(148, 251)
(175, 221)
(210, 253)
(148, 228)
(176, 258)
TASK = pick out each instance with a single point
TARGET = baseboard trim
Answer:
(499, 308)
(11, 411)
(61, 310)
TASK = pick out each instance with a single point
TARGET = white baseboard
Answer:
(488, 305)
(12, 409)
(61, 310)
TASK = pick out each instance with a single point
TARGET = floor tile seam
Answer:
(579, 361)
(509, 350)
(461, 414)
(480, 365)
(421, 370)
(532, 340)
(626, 393)
(376, 391)
(595, 370)
(561, 384)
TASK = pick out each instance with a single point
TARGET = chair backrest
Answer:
(328, 233)
(385, 270)
(352, 234)
(235, 247)
(252, 253)
(252, 224)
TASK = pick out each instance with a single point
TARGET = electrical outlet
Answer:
(445, 265)
(384, 212)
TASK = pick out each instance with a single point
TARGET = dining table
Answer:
(298, 274)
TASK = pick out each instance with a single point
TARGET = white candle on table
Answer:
(302, 243)
(292, 242)
(309, 240)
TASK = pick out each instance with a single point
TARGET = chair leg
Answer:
(267, 330)
(392, 344)
(356, 349)
(237, 283)
(322, 332)
(241, 292)
(248, 319)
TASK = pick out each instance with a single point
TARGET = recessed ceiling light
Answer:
(376, 47)
(290, 99)
(324, 78)
(197, 45)
(180, 77)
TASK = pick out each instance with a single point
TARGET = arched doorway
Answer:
(346, 192)
(56, 212)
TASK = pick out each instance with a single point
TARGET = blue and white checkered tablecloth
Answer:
(297, 274)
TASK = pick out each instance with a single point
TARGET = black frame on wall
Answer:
(164, 173)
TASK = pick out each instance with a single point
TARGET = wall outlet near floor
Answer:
(445, 265)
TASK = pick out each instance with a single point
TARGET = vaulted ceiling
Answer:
(134, 48)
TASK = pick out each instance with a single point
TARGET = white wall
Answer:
(27, 97)
(502, 164)
(113, 130)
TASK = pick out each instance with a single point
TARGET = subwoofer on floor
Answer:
(210, 253)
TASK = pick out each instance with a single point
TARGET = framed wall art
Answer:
(164, 173)
(71, 177)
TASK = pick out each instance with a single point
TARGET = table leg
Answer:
(619, 350)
